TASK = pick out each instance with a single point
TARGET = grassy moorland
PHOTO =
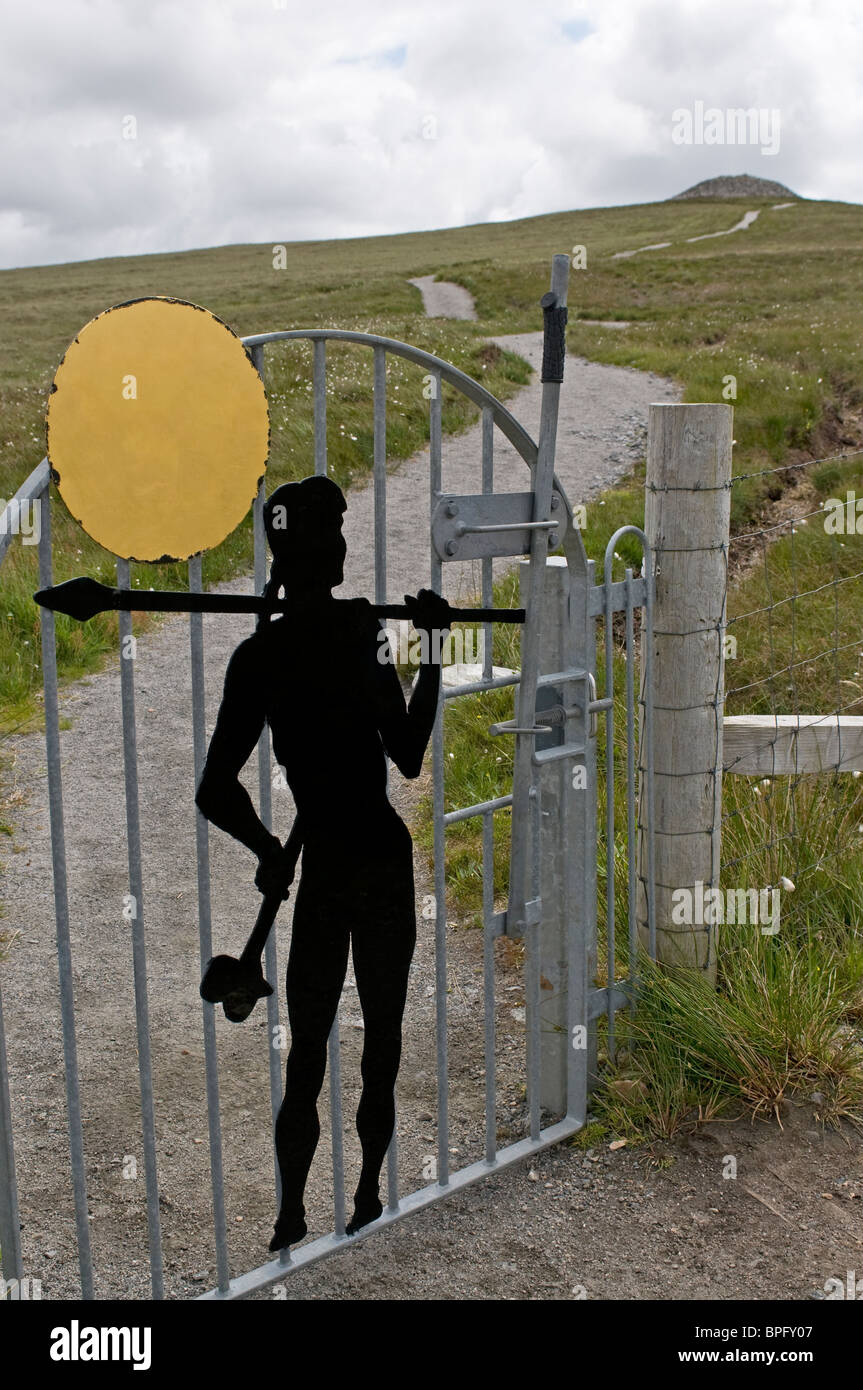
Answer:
(776, 308)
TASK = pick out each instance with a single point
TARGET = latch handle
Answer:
(594, 705)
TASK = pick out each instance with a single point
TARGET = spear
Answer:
(84, 598)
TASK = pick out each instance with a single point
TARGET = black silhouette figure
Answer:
(322, 677)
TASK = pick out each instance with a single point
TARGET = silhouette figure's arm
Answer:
(221, 797)
(405, 731)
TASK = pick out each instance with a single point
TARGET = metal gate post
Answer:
(567, 932)
(580, 834)
(556, 800)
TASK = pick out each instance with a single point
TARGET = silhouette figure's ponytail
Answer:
(275, 582)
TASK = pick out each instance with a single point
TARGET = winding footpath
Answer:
(745, 222)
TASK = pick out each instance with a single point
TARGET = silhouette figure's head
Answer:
(303, 522)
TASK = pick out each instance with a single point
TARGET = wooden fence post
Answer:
(687, 511)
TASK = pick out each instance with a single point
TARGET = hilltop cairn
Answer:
(735, 186)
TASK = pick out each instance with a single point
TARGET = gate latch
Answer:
(509, 726)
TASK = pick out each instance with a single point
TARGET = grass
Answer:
(784, 1021)
(774, 307)
(768, 318)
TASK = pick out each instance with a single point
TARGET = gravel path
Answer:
(444, 300)
(602, 429)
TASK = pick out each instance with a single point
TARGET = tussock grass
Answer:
(781, 1024)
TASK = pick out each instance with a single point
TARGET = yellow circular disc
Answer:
(158, 430)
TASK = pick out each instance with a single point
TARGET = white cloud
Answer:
(261, 123)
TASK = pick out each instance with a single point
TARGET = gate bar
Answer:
(488, 983)
(379, 464)
(533, 946)
(334, 1054)
(61, 909)
(320, 394)
(337, 1137)
(631, 590)
(380, 473)
(265, 803)
(480, 687)
(487, 578)
(393, 1165)
(465, 812)
(205, 932)
(435, 487)
(608, 637)
(630, 775)
(139, 950)
(10, 1219)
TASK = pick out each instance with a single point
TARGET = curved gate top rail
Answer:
(474, 390)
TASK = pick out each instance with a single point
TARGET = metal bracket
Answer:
(558, 751)
(479, 525)
(502, 926)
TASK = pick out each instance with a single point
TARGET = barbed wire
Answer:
(802, 463)
(759, 473)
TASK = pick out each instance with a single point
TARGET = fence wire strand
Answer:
(804, 673)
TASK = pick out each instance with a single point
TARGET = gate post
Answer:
(562, 879)
(687, 511)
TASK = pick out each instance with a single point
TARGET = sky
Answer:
(132, 126)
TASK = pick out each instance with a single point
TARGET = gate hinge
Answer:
(484, 524)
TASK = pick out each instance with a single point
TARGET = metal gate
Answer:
(554, 824)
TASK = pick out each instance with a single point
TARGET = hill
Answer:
(735, 186)
(774, 307)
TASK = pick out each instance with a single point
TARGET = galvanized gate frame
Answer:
(565, 701)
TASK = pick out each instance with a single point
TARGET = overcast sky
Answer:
(131, 126)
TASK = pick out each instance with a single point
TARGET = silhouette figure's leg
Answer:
(383, 940)
(316, 971)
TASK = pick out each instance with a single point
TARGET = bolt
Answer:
(452, 509)
(452, 547)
